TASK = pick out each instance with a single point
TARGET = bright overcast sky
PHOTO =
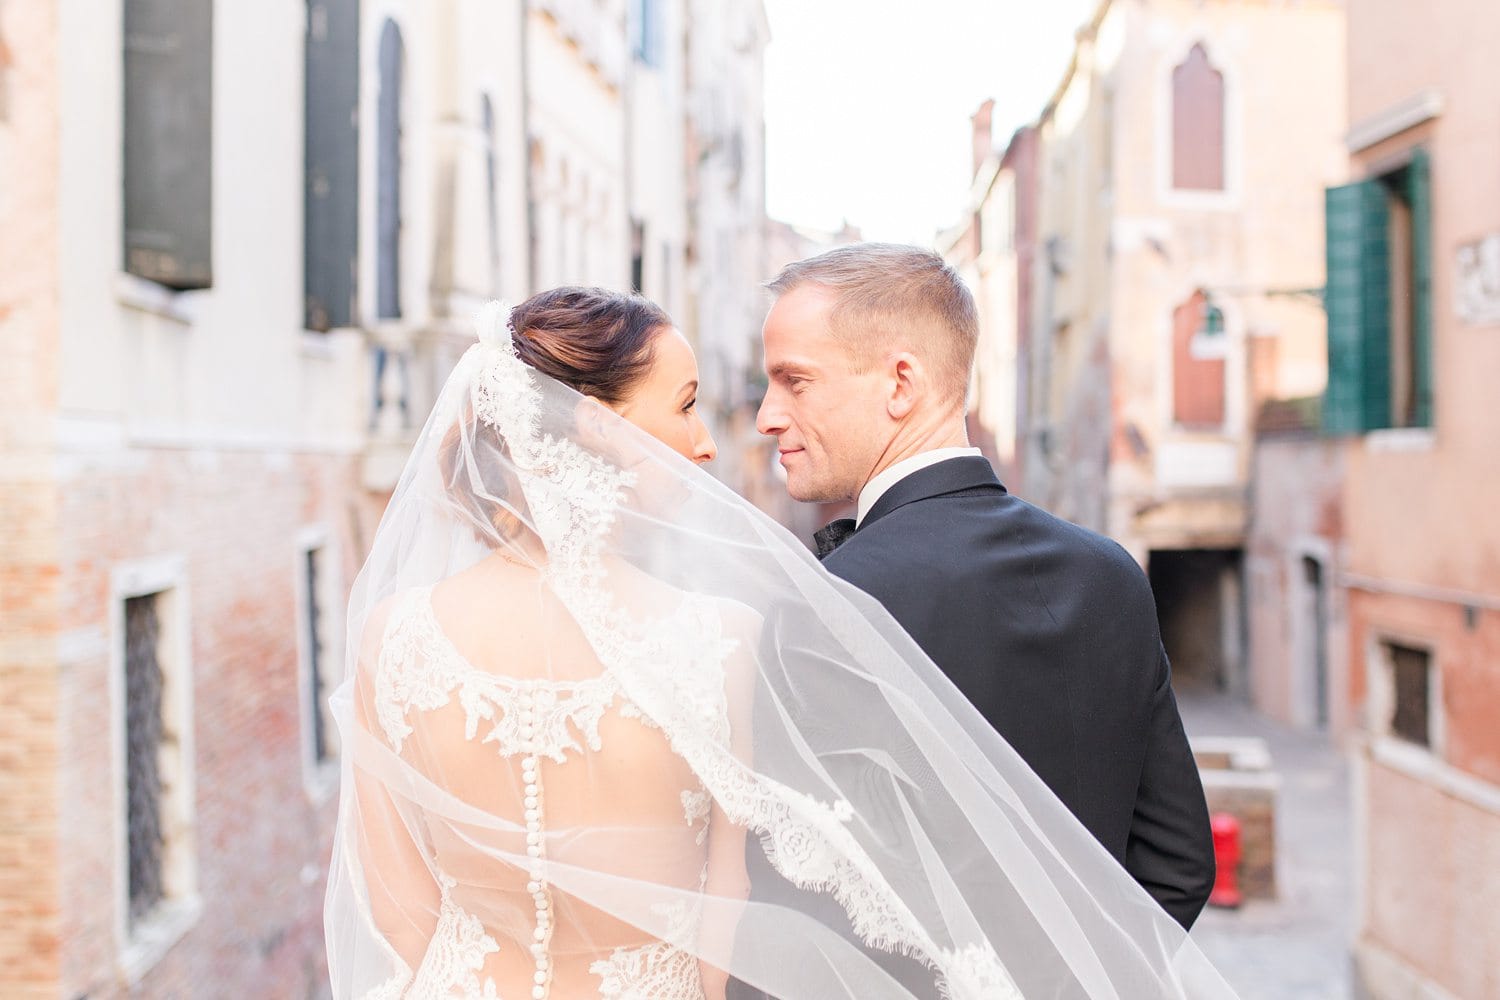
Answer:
(868, 102)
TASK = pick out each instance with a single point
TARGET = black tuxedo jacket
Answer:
(1051, 631)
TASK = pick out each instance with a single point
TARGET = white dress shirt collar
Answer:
(877, 487)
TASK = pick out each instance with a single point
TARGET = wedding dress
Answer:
(585, 676)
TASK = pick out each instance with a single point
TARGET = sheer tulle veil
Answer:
(587, 680)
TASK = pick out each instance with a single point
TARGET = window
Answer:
(1197, 124)
(646, 31)
(1379, 302)
(144, 738)
(491, 189)
(1198, 348)
(317, 687)
(388, 174)
(318, 603)
(1315, 637)
(1411, 683)
(331, 163)
(168, 133)
(151, 702)
(637, 255)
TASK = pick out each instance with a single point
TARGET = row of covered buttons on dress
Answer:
(537, 882)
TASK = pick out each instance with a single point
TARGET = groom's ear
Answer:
(907, 377)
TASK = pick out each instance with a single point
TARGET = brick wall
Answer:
(1432, 875)
(29, 576)
(262, 841)
(1430, 818)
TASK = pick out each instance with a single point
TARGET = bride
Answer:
(587, 678)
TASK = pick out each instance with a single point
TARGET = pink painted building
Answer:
(1147, 277)
(1414, 347)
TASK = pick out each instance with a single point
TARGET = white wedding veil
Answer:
(587, 680)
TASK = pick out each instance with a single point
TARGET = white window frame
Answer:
(319, 779)
(141, 947)
(1167, 193)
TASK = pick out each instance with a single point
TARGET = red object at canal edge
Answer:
(1226, 890)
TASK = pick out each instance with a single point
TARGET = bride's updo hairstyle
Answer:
(598, 342)
(593, 340)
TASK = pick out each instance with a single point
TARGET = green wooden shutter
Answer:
(168, 162)
(1419, 195)
(1358, 301)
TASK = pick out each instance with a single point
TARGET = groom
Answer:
(1049, 629)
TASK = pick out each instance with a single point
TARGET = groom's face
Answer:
(828, 417)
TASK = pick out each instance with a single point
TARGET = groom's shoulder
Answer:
(941, 537)
(1081, 545)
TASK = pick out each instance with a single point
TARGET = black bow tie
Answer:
(832, 535)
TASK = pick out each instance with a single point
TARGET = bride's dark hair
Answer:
(597, 342)
(593, 340)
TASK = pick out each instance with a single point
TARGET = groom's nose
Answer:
(770, 419)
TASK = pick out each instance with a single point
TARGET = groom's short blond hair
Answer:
(894, 297)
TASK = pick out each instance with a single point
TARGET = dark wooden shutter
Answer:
(168, 132)
(330, 150)
(388, 175)
(1358, 302)
(331, 154)
(1419, 196)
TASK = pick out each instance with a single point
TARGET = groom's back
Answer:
(1050, 630)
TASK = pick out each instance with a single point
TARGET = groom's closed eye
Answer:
(790, 377)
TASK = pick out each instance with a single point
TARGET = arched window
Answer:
(1197, 124)
(388, 174)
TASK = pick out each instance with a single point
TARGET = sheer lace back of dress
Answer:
(445, 716)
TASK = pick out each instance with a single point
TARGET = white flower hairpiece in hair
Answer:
(493, 326)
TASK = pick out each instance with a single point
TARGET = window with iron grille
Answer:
(144, 736)
(322, 750)
(156, 898)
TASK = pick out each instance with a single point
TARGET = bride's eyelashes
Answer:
(688, 408)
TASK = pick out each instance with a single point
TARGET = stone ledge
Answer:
(1380, 975)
